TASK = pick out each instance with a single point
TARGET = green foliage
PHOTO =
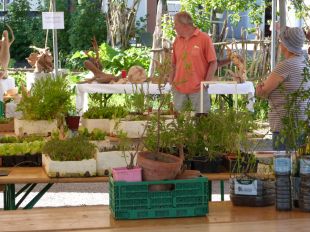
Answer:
(200, 10)
(218, 132)
(167, 27)
(96, 134)
(21, 148)
(261, 108)
(73, 149)
(87, 21)
(114, 60)
(138, 101)
(301, 9)
(22, 139)
(108, 112)
(22, 24)
(20, 80)
(5, 121)
(49, 99)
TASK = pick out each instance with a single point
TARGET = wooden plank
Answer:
(289, 225)
(217, 176)
(24, 175)
(96, 218)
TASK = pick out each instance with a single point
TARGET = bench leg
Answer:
(222, 190)
(210, 190)
(9, 197)
(38, 196)
(27, 187)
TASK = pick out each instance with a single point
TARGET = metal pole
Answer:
(273, 34)
(55, 45)
(4, 5)
(282, 10)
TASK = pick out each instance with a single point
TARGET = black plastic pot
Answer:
(73, 122)
(204, 165)
(26, 160)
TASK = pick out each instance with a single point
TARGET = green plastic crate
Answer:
(133, 200)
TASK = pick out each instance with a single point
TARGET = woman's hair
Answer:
(184, 18)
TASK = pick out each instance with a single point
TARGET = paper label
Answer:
(282, 164)
(246, 187)
(304, 166)
(53, 20)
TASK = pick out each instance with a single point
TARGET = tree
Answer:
(87, 21)
(22, 24)
(201, 10)
(121, 21)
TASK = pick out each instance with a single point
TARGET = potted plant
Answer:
(137, 104)
(101, 117)
(131, 172)
(157, 165)
(247, 186)
(73, 157)
(72, 119)
(15, 152)
(44, 106)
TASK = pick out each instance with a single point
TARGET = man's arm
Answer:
(172, 74)
(211, 70)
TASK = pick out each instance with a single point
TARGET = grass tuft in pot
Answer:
(72, 149)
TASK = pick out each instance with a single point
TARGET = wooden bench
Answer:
(222, 217)
(33, 176)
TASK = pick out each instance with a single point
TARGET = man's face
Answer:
(179, 27)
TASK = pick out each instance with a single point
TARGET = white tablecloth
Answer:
(82, 91)
(231, 88)
(5, 85)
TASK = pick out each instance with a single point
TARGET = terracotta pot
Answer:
(159, 166)
(73, 122)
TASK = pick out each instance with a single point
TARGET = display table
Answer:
(222, 217)
(82, 91)
(214, 87)
(35, 175)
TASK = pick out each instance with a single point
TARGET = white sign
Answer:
(246, 187)
(53, 20)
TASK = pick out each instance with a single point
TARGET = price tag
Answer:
(246, 187)
(304, 166)
(53, 20)
(282, 165)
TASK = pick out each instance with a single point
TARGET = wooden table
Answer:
(222, 217)
(33, 176)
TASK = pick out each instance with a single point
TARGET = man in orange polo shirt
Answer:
(193, 60)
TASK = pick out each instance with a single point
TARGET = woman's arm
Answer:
(264, 88)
